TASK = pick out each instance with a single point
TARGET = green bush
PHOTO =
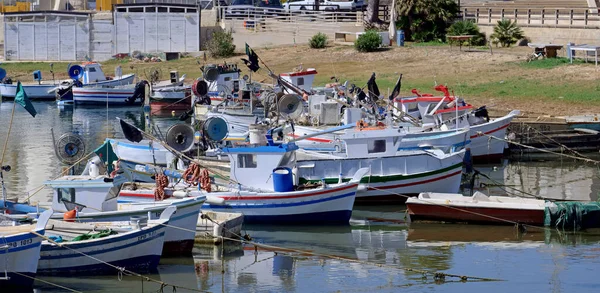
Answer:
(221, 44)
(318, 41)
(368, 42)
(425, 20)
(461, 28)
(506, 33)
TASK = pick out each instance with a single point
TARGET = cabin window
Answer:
(246, 161)
(300, 80)
(66, 194)
(376, 146)
(228, 78)
(91, 69)
(412, 107)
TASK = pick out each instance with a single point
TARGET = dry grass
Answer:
(502, 80)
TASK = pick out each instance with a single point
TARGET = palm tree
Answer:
(506, 33)
(425, 20)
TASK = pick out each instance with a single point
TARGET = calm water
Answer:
(537, 261)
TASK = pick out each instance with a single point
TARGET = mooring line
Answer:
(479, 133)
(553, 140)
(48, 282)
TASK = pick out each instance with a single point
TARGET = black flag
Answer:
(396, 90)
(373, 89)
(252, 61)
(131, 132)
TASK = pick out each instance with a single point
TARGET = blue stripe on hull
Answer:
(137, 264)
(16, 282)
(322, 218)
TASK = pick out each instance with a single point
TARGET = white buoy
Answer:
(94, 171)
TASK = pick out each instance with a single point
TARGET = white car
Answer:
(324, 5)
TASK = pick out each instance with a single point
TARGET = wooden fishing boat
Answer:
(478, 208)
(124, 95)
(393, 174)
(265, 191)
(136, 247)
(20, 253)
(171, 99)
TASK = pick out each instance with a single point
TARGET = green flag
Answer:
(107, 155)
(22, 99)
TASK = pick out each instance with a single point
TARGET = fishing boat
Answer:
(90, 73)
(94, 199)
(263, 189)
(72, 249)
(478, 208)
(393, 174)
(20, 253)
(171, 99)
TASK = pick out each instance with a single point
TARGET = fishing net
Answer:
(570, 215)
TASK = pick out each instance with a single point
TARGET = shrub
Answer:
(425, 20)
(318, 41)
(368, 42)
(461, 28)
(506, 33)
(221, 44)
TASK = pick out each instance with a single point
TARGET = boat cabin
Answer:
(372, 143)
(92, 72)
(228, 79)
(302, 79)
(85, 193)
(253, 166)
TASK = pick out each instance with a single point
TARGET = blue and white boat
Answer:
(136, 248)
(264, 190)
(20, 253)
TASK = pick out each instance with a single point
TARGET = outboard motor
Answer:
(138, 93)
(482, 112)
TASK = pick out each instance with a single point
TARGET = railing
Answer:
(536, 17)
(327, 13)
(188, 2)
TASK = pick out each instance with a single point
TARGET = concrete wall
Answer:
(555, 35)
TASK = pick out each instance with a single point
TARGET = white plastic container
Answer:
(257, 134)
(94, 171)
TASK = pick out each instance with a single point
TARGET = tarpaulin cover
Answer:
(572, 215)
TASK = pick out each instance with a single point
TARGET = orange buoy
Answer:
(70, 215)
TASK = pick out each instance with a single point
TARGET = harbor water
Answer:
(378, 252)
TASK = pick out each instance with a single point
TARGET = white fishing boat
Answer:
(20, 253)
(135, 247)
(92, 75)
(264, 190)
(393, 174)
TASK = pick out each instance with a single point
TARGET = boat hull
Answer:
(138, 251)
(392, 179)
(479, 215)
(104, 96)
(33, 91)
(319, 206)
(485, 149)
(20, 260)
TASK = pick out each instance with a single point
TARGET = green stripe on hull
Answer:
(383, 179)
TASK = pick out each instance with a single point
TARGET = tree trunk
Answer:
(372, 14)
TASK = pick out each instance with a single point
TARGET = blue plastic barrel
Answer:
(400, 38)
(283, 179)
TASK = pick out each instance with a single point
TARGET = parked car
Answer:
(249, 7)
(325, 5)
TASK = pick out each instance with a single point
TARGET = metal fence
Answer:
(584, 17)
(189, 2)
(328, 15)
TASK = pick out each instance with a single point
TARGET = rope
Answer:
(47, 282)
(121, 270)
(162, 181)
(587, 160)
(558, 143)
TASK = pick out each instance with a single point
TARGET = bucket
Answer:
(138, 221)
(283, 179)
(258, 134)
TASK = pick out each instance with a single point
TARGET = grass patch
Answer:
(429, 44)
(549, 63)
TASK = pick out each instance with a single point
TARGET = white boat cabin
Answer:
(85, 193)
(253, 166)
(302, 79)
(92, 72)
(228, 80)
(375, 143)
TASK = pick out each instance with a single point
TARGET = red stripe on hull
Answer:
(492, 131)
(429, 212)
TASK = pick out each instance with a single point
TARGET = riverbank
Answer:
(503, 80)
